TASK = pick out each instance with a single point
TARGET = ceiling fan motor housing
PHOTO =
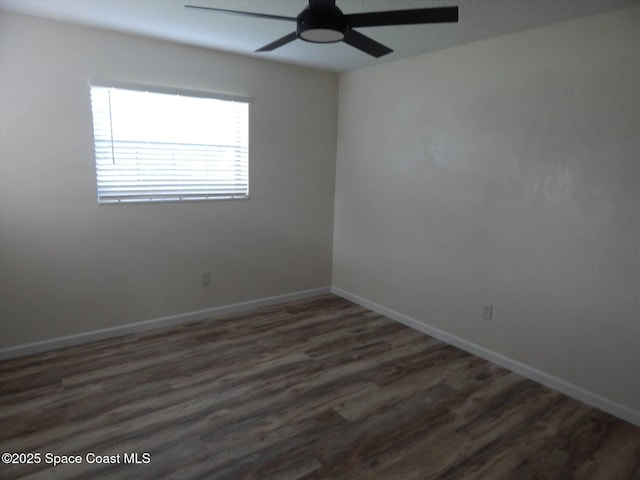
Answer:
(322, 25)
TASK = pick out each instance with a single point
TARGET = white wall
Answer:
(69, 266)
(505, 171)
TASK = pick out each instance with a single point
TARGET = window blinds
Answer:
(157, 146)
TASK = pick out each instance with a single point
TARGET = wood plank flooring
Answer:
(315, 389)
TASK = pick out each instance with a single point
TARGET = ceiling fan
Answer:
(323, 22)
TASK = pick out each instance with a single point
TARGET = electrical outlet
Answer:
(487, 311)
(206, 279)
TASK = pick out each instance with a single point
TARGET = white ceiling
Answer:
(169, 20)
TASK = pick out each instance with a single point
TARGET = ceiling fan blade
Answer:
(244, 14)
(403, 17)
(278, 43)
(364, 43)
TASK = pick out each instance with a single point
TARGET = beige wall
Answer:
(69, 266)
(504, 171)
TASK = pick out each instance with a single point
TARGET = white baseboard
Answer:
(80, 338)
(579, 393)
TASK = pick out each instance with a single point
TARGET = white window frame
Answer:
(142, 163)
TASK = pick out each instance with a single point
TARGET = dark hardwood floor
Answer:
(316, 389)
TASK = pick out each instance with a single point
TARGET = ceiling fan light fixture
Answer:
(321, 35)
(325, 24)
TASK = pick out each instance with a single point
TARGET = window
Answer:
(169, 146)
